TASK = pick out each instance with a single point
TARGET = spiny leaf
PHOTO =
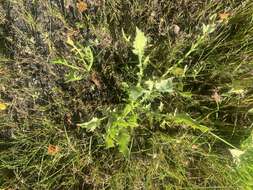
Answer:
(140, 43)
(92, 124)
(188, 121)
(136, 92)
(109, 142)
(165, 85)
(123, 141)
(150, 84)
(65, 63)
(89, 57)
(186, 94)
(111, 135)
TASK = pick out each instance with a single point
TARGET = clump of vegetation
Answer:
(126, 95)
(84, 55)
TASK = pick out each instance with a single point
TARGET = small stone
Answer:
(176, 29)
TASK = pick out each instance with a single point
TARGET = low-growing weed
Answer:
(124, 118)
(83, 63)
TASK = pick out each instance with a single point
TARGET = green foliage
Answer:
(184, 119)
(244, 162)
(139, 46)
(83, 65)
(140, 43)
(120, 127)
(91, 125)
(164, 85)
(121, 123)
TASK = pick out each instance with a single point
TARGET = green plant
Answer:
(244, 163)
(124, 118)
(82, 66)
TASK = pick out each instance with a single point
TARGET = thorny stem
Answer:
(140, 74)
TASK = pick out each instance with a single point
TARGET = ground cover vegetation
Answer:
(138, 94)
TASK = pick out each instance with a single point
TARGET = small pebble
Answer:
(176, 29)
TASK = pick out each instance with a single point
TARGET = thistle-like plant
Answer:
(123, 119)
